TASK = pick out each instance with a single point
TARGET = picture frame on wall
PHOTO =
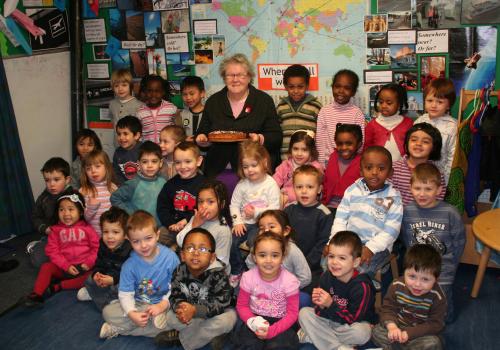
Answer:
(480, 12)
(431, 67)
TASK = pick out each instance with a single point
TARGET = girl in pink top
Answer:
(389, 128)
(97, 186)
(72, 250)
(268, 301)
(301, 151)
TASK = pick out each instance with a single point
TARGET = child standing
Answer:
(86, 141)
(114, 249)
(157, 113)
(389, 129)
(268, 301)
(439, 97)
(170, 137)
(311, 220)
(429, 220)
(144, 283)
(372, 208)
(177, 199)
(412, 314)
(341, 110)
(124, 103)
(301, 151)
(256, 192)
(125, 158)
(72, 249)
(299, 110)
(193, 93)
(142, 190)
(422, 145)
(211, 214)
(201, 297)
(56, 174)
(344, 299)
(343, 165)
(97, 186)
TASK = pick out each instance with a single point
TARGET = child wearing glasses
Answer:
(201, 297)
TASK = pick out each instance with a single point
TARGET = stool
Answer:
(393, 261)
(486, 228)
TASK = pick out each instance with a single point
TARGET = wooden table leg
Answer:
(485, 257)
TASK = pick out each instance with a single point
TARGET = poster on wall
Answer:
(152, 29)
(403, 56)
(431, 67)
(384, 6)
(270, 76)
(480, 12)
(55, 25)
(435, 14)
(415, 104)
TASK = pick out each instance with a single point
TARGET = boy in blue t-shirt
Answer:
(144, 283)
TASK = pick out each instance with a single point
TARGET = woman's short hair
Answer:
(238, 58)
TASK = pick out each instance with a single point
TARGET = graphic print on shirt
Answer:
(145, 289)
(272, 306)
(342, 302)
(194, 293)
(381, 207)
(427, 232)
(129, 169)
(71, 235)
(184, 201)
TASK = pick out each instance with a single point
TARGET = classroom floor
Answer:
(65, 323)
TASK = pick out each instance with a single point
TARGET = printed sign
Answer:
(270, 76)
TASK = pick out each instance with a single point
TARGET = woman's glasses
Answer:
(236, 76)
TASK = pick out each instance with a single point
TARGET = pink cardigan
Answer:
(283, 177)
(377, 135)
(334, 184)
(72, 245)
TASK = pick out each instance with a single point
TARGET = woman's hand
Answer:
(256, 137)
(202, 140)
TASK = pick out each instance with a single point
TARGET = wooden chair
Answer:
(378, 277)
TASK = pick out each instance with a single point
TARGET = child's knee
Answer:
(362, 332)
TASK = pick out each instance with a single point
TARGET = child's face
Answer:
(425, 193)
(96, 172)
(197, 261)
(296, 88)
(301, 154)
(306, 189)
(420, 145)
(207, 202)
(126, 138)
(343, 89)
(122, 90)
(55, 181)
(154, 93)
(341, 263)
(268, 257)
(68, 212)
(388, 103)
(419, 283)
(375, 169)
(167, 143)
(436, 107)
(113, 234)
(269, 223)
(84, 146)
(144, 241)
(186, 163)
(253, 170)
(347, 145)
(149, 165)
(193, 97)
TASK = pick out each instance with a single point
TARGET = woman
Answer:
(240, 107)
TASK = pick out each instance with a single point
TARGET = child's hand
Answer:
(84, 267)
(185, 312)
(48, 231)
(283, 199)
(190, 138)
(321, 298)
(106, 281)
(73, 271)
(394, 333)
(200, 217)
(366, 256)
(404, 337)
(239, 229)
(156, 309)
(325, 250)
(261, 333)
(249, 211)
(139, 318)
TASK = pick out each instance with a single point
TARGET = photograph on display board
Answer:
(175, 87)
(175, 21)
(376, 40)
(55, 25)
(107, 3)
(375, 23)
(480, 12)
(180, 70)
(187, 58)
(99, 52)
(378, 57)
(156, 62)
(403, 56)
(408, 80)
(197, 2)
(399, 20)
(169, 4)
(173, 58)
(218, 45)
(126, 4)
(135, 25)
(415, 104)
(385, 6)
(117, 24)
(152, 29)
(145, 5)
(473, 57)
(120, 60)
(203, 56)
(138, 63)
(431, 67)
(435, 14)
(202, 42)
(98, 92)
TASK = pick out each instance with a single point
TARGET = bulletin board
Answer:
(29, 27)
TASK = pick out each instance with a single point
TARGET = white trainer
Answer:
(83, 294)
(108, 331)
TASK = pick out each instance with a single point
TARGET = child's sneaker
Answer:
(32, 301)
(168, 338)
(83, 295)
(345, 347)
(160, 320)
(108, 331)
(234, 280)
(303, 337)
(31, 245)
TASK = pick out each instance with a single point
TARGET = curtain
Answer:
(16, 198)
